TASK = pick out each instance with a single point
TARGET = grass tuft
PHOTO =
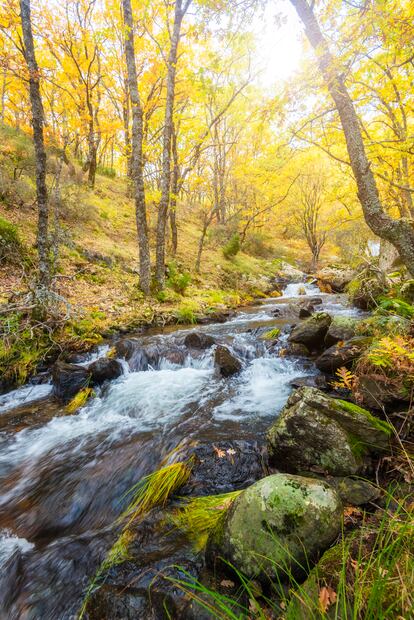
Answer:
(199, 516)
(155, 489)
(79, 400)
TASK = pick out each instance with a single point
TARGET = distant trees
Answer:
(399, 232)
(311, 197)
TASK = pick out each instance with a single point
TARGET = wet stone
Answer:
(198, 340)
(225, 466)
(225, 363)
(68, 379)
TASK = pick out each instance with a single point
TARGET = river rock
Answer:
(198, 340)
(105, 369)
(277, 525)
(320, 433)
(340, 354)
(339, 333)
(295, 349)
(68, 379)
(336, 277)
(225, 363)
(378, 391)
(312, 331)
(306, 311)
(354, 491)
(224, 466)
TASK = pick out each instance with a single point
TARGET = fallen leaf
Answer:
(220, 453)
(227, 583)
(231, 451)
(327, 597)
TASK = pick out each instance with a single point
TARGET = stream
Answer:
(64, 477)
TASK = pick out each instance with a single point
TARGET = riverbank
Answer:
(172, 396)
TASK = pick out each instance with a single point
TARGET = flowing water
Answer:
(63, 477)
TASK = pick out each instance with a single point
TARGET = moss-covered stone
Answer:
(312, 331)
(278, 526)
(320, 433)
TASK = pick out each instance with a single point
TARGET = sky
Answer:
(279, 45)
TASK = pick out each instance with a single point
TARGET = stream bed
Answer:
(63, 478)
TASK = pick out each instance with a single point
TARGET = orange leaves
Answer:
(327, 597)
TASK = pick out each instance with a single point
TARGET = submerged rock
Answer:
(341, 354)
(225, 363)
(278, 525)
(68, 379)
(198, 340)
(316, 432)
(312, 331)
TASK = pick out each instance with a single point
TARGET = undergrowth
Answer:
(368, 575)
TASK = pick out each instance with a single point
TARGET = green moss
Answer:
(356, 411)
(199, 516)
(271, 334)
(358, 448)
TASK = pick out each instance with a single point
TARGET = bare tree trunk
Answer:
(179, 12)
(174, 192)
(39, 146)
(3, 94)
(399, 233)
(137, 171)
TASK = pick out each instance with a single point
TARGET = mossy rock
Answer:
(277, 526)
(312, 331)
(323, 434)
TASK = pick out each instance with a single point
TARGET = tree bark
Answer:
(179, 12)
(137, 171)
(174, 191)
(399, 233)
(39, 147)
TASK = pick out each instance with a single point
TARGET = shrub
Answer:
(106, 171)
(258, 244)
(176, 280)
(232, 247)
(186, 315)
(9, 239)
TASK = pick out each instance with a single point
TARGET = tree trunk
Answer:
(39, 146)
(174, 192)
(137, 171)
(179, 13)
(399, 233)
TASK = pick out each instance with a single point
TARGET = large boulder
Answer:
(336, 277)
(198, 340)
(68, 379)
(341, 354)
(225, 363)
(105, 369)
(278, 525)
(315, 432)
(312, 331)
